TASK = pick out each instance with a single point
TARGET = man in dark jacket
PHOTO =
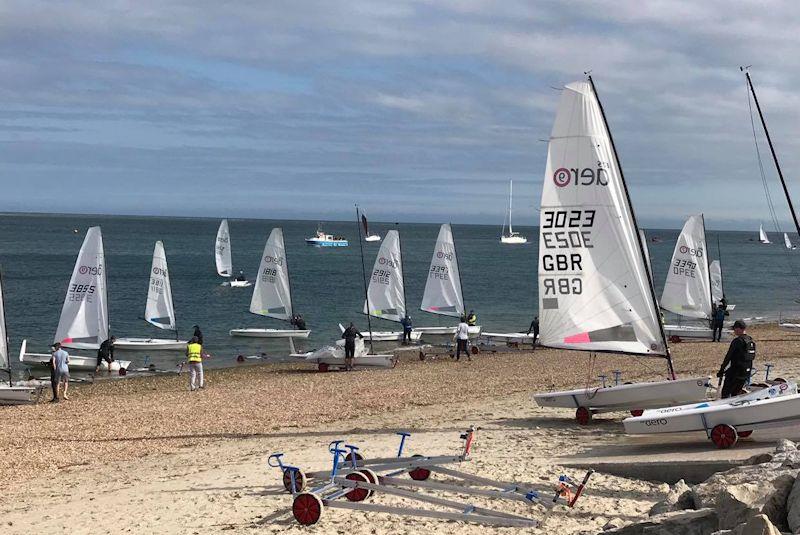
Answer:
(718, 316)
(105, 353)
(198, 334)
(408, 326)
(535, 328)
(349, 336)
(738, 363)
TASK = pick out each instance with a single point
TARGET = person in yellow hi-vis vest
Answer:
(194, 355)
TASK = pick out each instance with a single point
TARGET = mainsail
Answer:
(595, 293)
(272, 294)
(84, 317)
(4, 362)
(786, 241)
(687, 290)
(443, 288)
(385, 297)
(222, 250)
(715, 269)
(762, 236)
(159, 310)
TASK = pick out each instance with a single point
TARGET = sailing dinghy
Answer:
(762, 236)
(272, 295)
(595, 289)
(443, 293)
(787, 242)
(512, 237)
(84, 316)
(222, 257)
(159, 310)
(11, 394)
(367, 235)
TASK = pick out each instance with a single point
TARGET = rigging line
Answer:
(764, 182)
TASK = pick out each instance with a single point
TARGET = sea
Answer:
(37, 254)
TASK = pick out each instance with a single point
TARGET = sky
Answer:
(417, 110)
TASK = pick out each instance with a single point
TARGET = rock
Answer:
(746, 491)
(758, 525)
(701, 522)
(785, 446)
(614, 523)
(793, 508)
(759, 458)
(678, 498)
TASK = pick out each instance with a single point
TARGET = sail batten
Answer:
(272, 293)
(687, 290)
(84, 316)
(385, 292)
(222, 250)
(443, 287)
(594, 288)
(160, 310)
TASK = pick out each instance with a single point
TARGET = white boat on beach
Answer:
(332, 357)
(77, 362)
(509, 338)
(446, 331)
(320, 239)
(511, 238)
(386, 336)
(272, 295)
(159, 310)
(223, 260)
(694, 332)
(12, 393)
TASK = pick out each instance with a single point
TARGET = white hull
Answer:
(374, 237)
(18, 395)
(390, 336)
(81, 345)
(513, 240)
(790, 326)
(364, 361)
(782, 408)
(694, 332)
(508, 337)
(628, 396)
(270, 333)
(474, 329)
(76, 362)
(146, 344)
(238, 284)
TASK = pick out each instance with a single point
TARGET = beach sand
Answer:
(145, 455)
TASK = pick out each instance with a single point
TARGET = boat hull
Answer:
(628, 396)
(327, 243)
(694, 332)
(76, 362)
(781, 409)
(19, 395)
(270, 333)
(473, 329)
(513, 240)
(508, 337)
(239, 284)
(146, 344)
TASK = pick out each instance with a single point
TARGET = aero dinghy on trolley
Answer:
(12, 393)
(595, 288)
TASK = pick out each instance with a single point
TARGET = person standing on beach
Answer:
(61, 366)
(349, 336)
(462, 339)
(718, 316)
(105, 353)
(535, 328)
(198, 334)
(194, 356)
(53, 374)
(408, 326)
(738, 363)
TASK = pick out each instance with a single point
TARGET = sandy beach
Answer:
(145, 455)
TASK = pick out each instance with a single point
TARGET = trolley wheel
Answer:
(744, 434)
(724, 436)
(418, 473)
(759, 385)
(348, 459)
(583, 416)
(323, 366)
(357, 495)
(307, 508)
(475, 350)
(299, 480)
(637, 412)
(779, 380)
(372, 477)
(675, 339)
(421, 355)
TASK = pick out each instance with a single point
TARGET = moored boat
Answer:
(321, 239)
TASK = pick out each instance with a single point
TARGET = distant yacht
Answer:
(512, 237)
(762, 236)
(367, 235)
(326, 240)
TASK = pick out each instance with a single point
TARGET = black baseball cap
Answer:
(739, 324)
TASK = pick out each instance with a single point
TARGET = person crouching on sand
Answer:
(194, 356)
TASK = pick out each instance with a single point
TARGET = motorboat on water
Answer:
(321, 239)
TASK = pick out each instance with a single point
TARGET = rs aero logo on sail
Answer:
(90, 270)
(692, 252)
(586, 176)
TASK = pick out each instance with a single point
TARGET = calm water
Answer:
(38, 252)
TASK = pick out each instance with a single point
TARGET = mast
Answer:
(721, 278)
(771, 148)
(636, 226)
(400, 248)
(288, 272)
(510, 197)
(5, 324)
(708, 266)
(364, 279)
(461, 284)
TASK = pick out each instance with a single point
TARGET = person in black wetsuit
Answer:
(535, 328)
(299, 322)
(738, 363)
(105, 353)
(408, 326)
(198, 334)
(349, 336)
(718, 316)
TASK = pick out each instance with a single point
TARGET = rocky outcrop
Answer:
(700, 522)
(758, 525)
(679, 498)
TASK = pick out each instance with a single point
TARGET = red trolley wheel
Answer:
(744, 434)
(475, 350)
(348, 459)
(372, 477)
(583, 415)
(418, 473)
(637, 412)
(299, 480)
(123, 372)
(307, 508)
(323, 366)
(724, 436)
(357, 494)
(779, 380)
(421, 355)
(675, 339)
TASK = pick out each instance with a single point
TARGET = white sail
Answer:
(84, 317)
(385, 293)
(4, 362)
(687, 290)
(762, 236)
(510, 200)
(715, 269)
(222, 251)
(786, 241)
(594, 289)
(643, 239)
(272, 295)
(443, 288)
(160, 310)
